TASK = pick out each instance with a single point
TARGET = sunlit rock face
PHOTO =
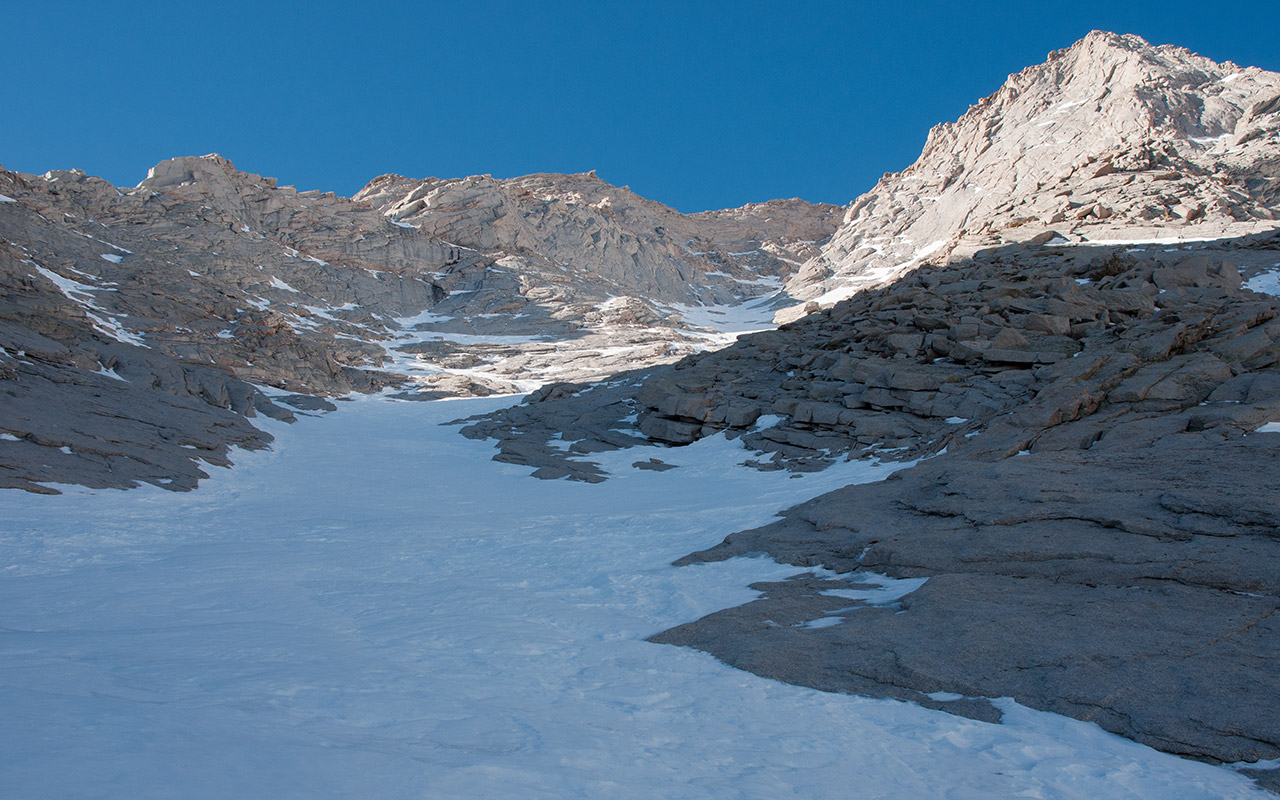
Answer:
(1111, 138)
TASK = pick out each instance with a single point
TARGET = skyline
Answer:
(712, 106)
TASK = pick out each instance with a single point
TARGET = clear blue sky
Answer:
(695, 104)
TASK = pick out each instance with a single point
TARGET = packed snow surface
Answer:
(376, 609)
(1267, 282)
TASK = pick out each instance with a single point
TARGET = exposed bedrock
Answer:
(1096, 516)
(1133, 587)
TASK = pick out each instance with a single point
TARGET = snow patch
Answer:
(886, 592)
(82, 295)
(1265, 283)
(374, 608)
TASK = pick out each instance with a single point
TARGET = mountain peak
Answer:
(1095, 142)
(187, 169)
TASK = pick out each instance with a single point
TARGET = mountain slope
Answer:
(210, 284)
(1112, 138)
(1089, 514)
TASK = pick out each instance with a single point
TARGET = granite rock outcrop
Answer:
(1111, 138)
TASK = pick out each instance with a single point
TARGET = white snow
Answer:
(67, 286)
(376, 609)
(323, 313)
(110, 373)
(931, 248)
(82, 295)
(425, 316)
(1266, 282)
(728, 321)
(886, 591)
(112, 257)
(9, 437)
(4, 198)
(477, 338)
(1270, 427)
(279, 284)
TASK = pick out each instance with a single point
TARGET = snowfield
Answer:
(375, 609)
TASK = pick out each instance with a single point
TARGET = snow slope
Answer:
(375, 609)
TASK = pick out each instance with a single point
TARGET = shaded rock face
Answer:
(204, 282)
(1112, 138)
(1131, 586)
(81, 401)
(1096, 516)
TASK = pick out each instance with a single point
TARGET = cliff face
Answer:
(1112, 138)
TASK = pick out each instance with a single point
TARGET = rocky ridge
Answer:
(211, 284)
(1112, 138)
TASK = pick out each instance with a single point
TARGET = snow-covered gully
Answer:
(374, 608)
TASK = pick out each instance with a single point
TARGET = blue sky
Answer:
(697, 105)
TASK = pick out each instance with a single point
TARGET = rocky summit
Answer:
(1112, 138)
(1063, 321)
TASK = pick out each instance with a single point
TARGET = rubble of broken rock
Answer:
(1096, 513)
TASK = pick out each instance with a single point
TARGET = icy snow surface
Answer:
(1267, 282)
(727, 322)
(375, 609)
